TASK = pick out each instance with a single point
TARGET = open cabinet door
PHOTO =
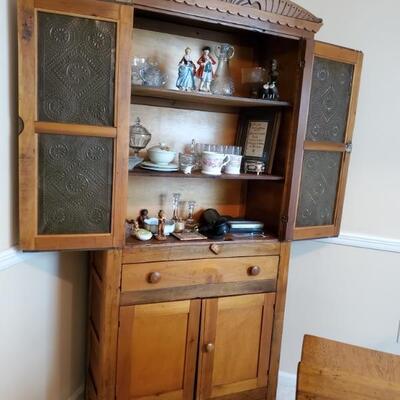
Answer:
(74, 96)
(327, 146)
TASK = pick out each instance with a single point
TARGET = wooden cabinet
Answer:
(76, 104)
(171, 319)
(186, 340)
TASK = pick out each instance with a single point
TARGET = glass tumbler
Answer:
(187, 163)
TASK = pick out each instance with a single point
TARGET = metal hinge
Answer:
(302, 64)
(349, 147)
(284, 219)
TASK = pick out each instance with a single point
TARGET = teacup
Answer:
(233, 166)
(212, 163)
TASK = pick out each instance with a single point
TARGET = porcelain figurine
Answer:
(186, 72)
(270, 89)
(205, 72)
(161, 226)
(143, 215)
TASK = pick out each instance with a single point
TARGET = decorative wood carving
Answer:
(281, 12)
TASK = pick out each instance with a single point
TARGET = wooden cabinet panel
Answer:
(150, 276)
(234, 344)
(328, 142)
(74, 91)
(157, 350)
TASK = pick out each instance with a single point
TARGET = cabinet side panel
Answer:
(103, 324)
(278, 321)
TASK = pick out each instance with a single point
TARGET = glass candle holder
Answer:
(175, 206)
(191, 224)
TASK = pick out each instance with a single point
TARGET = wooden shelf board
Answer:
(198, 175)
(196, 100)
(172, 241)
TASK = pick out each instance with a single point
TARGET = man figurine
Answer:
(205, 72)
(161, 226)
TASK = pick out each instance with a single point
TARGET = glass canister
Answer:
(139, 138)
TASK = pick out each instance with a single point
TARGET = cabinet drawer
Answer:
(161, 275)
(198, 250)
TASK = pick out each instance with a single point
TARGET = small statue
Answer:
(161, 226)
(129, 226)
(186, 72)
(140, 219)
(205, 72)
(270, 89)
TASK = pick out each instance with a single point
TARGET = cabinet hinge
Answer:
(302, 64)
(349, 147)
(284, 219)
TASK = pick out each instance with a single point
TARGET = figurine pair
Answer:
(270, 90)
(187, 71)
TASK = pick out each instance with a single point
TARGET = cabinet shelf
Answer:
(196, 100)
(172, 241)
(199, 175)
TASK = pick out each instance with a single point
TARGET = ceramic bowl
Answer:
(160, 156)
(151, 225)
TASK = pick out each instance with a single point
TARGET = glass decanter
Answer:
(222, 83)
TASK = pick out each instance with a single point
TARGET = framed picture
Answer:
(257, 135)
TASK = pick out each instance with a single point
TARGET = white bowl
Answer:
(151, 224)
(161, 157)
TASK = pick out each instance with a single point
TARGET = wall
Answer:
(347, 293)
(42, 296)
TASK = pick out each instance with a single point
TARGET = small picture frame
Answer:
(257, 134)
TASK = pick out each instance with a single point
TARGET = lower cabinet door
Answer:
(157, 351)
(235, 345)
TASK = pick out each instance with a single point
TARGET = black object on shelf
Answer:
(213, 225)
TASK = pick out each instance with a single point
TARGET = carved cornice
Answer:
(282, 12)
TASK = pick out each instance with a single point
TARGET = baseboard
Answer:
(365, 242)
(12, 256)
(286, 386)
(78, 394)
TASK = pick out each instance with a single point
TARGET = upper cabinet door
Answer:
(74, 96)
(328, 141)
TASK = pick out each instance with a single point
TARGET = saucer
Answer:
(159, 167)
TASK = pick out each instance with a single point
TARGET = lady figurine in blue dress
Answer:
(186, 72)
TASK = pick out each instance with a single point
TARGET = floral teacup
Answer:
(212, 163)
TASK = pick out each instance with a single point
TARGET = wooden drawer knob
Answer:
(154, 277)
(215, 249)
(254, 271)
(209, 347)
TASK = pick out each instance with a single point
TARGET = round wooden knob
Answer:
(154, 277)
(209, 347)
(254, 271)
